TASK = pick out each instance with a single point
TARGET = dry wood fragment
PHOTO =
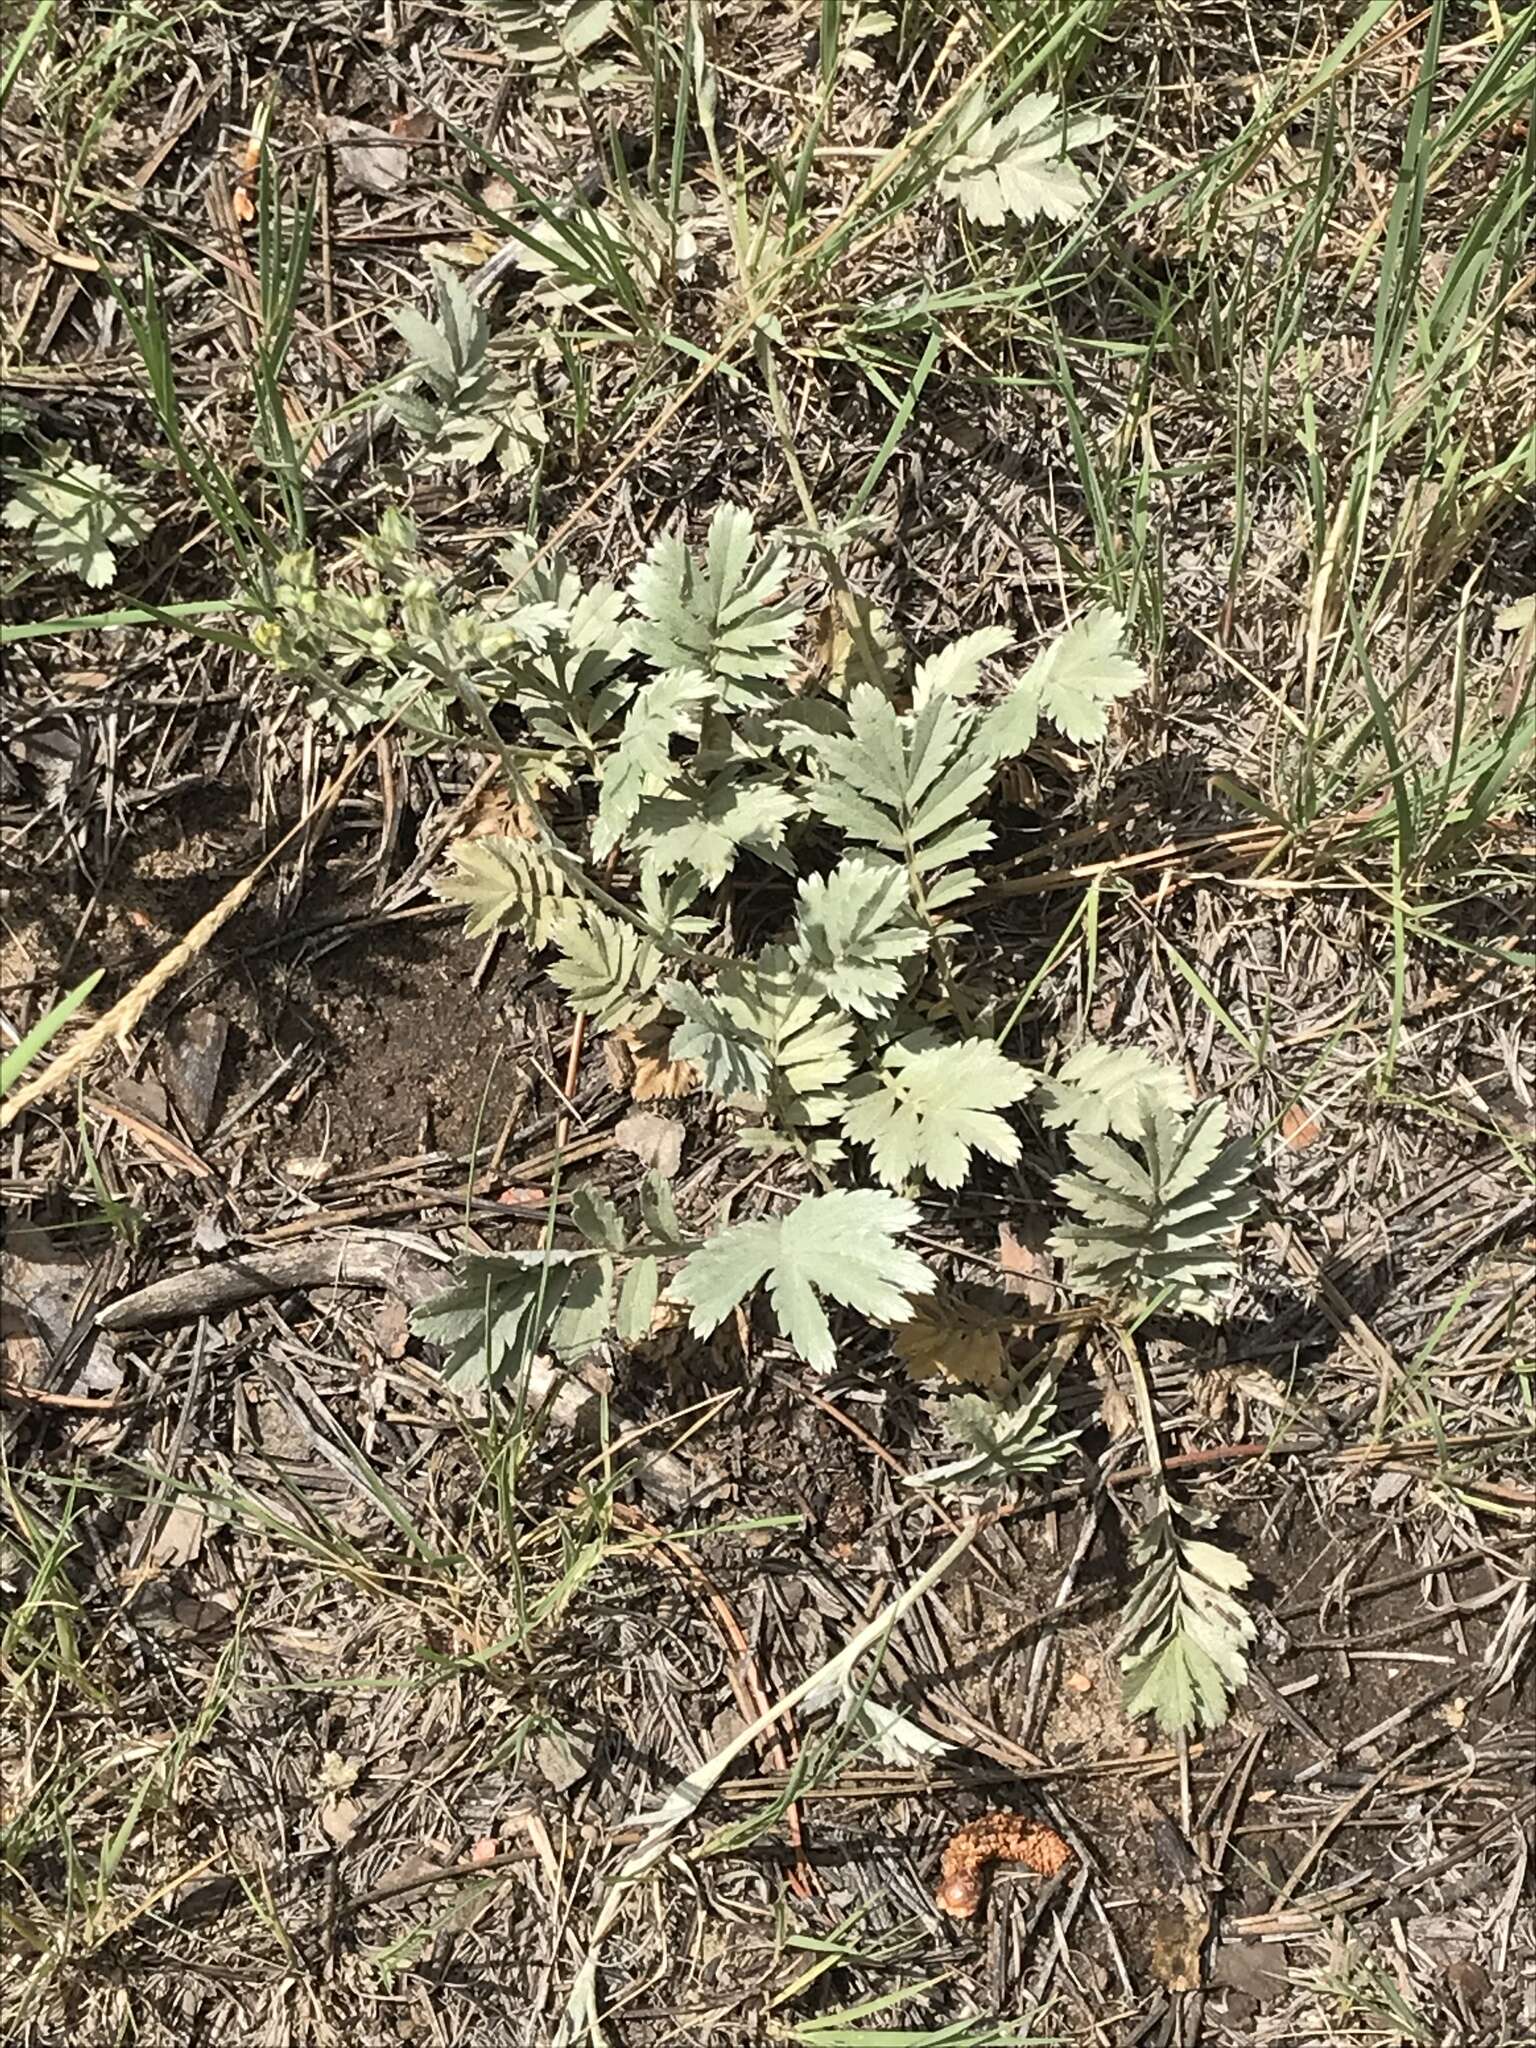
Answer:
(354, 1261)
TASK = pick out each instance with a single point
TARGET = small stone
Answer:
(339, 1818)
(561, 1761)
(1252, 1970)
(1470, 1982)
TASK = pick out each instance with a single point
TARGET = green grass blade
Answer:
(22, 1054)
(36, 23)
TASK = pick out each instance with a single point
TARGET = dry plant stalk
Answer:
(995, 1838)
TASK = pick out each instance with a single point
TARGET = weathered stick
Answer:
(356, 1260)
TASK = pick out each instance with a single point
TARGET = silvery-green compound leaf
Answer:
(452, 347)
(78, 515)
(958, 666)
(431, 350)
(1184, 1636)
(1102, 1088)
(546, 34)
(1071, 684)
(863, 27)
(1004, 1437)
(724, 616)
(766, 1030)
(419, 416)
(583, 618)
(637, 1300)
(713, 1034)
(1159, 1230)
(659, 1215)
(705, 826)
(667, 904)
(571, 696)
(1018, 163)
(842, 1247)
(607, 968)
(907, 785)
(506, 1306)
(477, 408)
(507, 422)
(494, 415)
(806, 1039)
(506, 884)
(595, 1216)
(854, 932)
(927, 1112)
(641, 765)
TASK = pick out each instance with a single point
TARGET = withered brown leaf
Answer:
(946, 1339)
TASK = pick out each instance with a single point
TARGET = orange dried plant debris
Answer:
(995, 1838)
(638, 1061)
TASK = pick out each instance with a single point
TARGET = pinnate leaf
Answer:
(1184, 1637)
(79, 515)
(504, 1306)
(717, 1036)
(1158, 1229)
(641, 765)
(957, 667)
(1071, 684)
(506, 884)
(767, 1030)
(1018, 164)
(1003, 1435)
(607, 968)
(547, 34)
(907, 785)
(582, 617)
(705, 827)
(806, 1039)
(637, 1300)
(855, 931)
(724, 615)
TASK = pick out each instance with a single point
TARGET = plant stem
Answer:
(1146, 1410)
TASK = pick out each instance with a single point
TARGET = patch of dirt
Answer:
(396, 1049)
(416, 1058)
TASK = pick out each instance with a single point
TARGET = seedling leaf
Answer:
(724, 615)
(841, 1247)
(928, 1111)
(1018, 163)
